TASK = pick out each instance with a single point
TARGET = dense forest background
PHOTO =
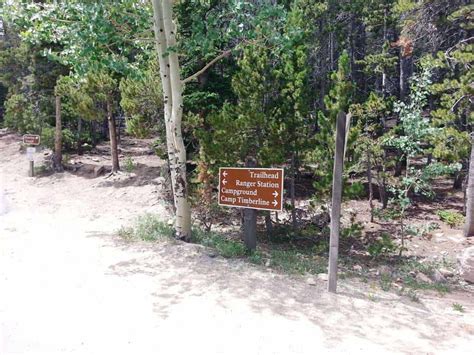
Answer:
(267, 79)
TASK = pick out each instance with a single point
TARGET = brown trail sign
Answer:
(31, 139)
(260, 189)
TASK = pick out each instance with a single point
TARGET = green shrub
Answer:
(458, 307)
(292, 261)
(142, 103)
(150, 228)
(127, 233)
(408, 270)
(382, 246)
(147, 227)
(138, 126)
(19, 115)
(47, 138)
(256, 258)
(453, 219)
(385, 282)
(354, 191)
(354, 230)
(129, 165)
(421, 231)
(228, 248)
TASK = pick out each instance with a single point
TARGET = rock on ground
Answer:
(466, 261)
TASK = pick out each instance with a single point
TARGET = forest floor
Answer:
(70, 285)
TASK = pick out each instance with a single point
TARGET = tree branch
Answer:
(207, 66)
(449, 50)
(458, 101)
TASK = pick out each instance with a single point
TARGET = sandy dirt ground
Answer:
(69, 285)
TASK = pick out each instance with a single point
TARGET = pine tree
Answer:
(338, 100)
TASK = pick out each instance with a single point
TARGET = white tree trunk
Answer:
(165, 32)
(161, 48)
(469, 224)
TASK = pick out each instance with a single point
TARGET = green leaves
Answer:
(86, 35)
(415, 128)
(142, 102)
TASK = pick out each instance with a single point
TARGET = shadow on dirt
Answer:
(185, 271)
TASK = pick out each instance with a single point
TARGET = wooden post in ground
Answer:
(336, 200)
(250, 228)
(31, 170)
(250, 218)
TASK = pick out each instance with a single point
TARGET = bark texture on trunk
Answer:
(79, 134)
(336, 201)
(93, 131)
(163, 60)
(384, 74)
(58, 138)
(469, 226)
(371, 189)
(406, 69)
(293, 192)
(165, 34)
(382, 188)
(113, 137)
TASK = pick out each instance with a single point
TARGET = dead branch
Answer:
(207, 66)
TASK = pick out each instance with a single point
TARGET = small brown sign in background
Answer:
(260, 189)
(31, 139)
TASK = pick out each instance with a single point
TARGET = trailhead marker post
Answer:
(31, 140)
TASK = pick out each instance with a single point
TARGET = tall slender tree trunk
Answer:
(293, 191)
(163, 60)
(113, 137)
(119, 126)
(79, 138)
(384, 74)
(165, 33)
(369, 180)
(58, 138)
(460, 177)
(382, 188)
(469, 226)
(357, 39)
(406, 69)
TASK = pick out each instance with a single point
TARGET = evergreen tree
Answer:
(338, 100)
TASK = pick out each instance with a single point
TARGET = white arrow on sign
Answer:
(275, 194)
(275, 203)
(224, 173)
(224, 181)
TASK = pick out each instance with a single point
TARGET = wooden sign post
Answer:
(336, 201)
(30, 155)
(252, 189)
(31, 140)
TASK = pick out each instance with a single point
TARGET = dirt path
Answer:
(69, 286)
